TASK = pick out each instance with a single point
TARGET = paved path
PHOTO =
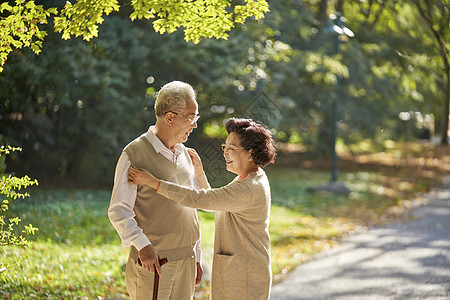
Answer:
(399, 261)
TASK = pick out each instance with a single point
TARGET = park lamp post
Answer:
(339, 33)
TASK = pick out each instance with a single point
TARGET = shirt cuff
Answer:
(198, 254)
(141, 242)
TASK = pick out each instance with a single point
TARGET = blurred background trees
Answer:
(74, 106)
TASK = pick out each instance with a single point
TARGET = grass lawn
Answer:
(76, 253)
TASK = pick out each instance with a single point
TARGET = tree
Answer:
(51, 103)
(437, 17)
(417, 30)
(407, 52)
(21, 20)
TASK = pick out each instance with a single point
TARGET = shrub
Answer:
(9, 191)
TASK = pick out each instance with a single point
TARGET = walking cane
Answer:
(162, 261)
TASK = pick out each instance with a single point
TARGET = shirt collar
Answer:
(158, 145)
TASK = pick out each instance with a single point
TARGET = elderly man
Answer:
(146, 222)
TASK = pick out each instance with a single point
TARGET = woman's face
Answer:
(237, 158)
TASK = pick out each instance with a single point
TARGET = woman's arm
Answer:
(142, 176)
(232, 197)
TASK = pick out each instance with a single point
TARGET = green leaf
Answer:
(52, 10)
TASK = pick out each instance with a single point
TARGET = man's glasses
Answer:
(195, 119)
(225, 147)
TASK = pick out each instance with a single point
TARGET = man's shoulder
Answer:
(135, 142)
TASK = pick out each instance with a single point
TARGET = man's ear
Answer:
(168, 118)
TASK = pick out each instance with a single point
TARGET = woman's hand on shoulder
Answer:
(196, 161)
(141, 176)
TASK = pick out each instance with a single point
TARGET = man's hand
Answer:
(199, 273)
(150, 259)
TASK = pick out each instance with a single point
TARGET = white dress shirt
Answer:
(121, 209)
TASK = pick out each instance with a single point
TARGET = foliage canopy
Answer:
(21, 21)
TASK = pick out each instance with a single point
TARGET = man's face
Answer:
(185, 121)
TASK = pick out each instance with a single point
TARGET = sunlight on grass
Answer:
(75, 254)
(295, 237)
(50, 270)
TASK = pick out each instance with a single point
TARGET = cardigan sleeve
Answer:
(231, 198)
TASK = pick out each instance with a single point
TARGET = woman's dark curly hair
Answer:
(255, 136)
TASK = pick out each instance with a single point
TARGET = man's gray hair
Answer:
(173, 97)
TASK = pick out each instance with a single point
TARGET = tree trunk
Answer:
(446, 110)
(445, 58)
(323, 11)
(340, 6)
(437, 29)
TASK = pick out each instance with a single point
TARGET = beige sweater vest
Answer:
(171, 228)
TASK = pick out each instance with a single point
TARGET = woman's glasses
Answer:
(231, 148)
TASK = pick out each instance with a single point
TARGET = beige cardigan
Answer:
(241, 263)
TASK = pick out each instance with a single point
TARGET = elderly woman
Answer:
(241, 263)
